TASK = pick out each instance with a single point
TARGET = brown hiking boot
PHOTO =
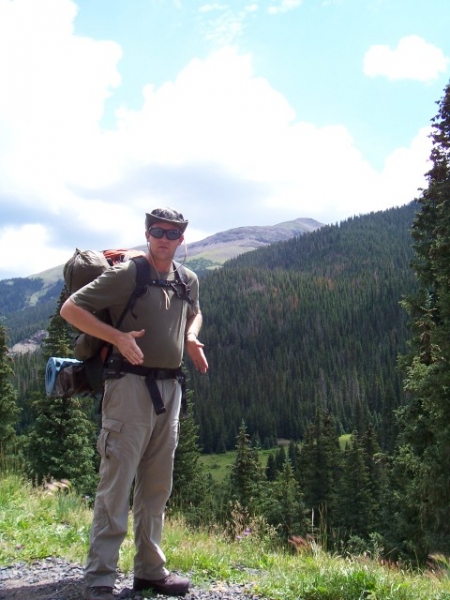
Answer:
(171, 585)
(101, 592)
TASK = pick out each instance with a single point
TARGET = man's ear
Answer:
(181, 240)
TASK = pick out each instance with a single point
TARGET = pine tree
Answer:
(271, 468)
(60, 335)
(9, 411)
(61, 440)
(423, 458)
(293, 454)
(378, 482)
(247, 475)
(280, 458)
(190, 494)
(319, 467)
(356, 505)
(285, 508)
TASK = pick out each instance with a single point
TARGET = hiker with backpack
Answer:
(141, 401)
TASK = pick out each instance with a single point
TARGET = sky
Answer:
(236, 113)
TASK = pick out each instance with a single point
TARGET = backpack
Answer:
(66, 377)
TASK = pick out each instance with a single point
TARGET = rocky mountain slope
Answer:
(218, 248)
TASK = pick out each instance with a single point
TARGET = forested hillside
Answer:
(26, 305)
(314, 321)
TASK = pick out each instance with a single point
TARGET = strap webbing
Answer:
(117, 366)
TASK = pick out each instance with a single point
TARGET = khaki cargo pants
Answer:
(133, 442)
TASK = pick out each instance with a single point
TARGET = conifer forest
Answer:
(344, 330)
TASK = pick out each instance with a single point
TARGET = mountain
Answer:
(36, 295)
(214, 250)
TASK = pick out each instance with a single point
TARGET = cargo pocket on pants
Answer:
(109, 426)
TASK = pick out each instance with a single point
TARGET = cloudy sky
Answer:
(235, 112)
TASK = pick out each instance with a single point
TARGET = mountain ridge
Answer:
(32, 292)
(224, 243)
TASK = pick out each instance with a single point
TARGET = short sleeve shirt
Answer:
(158, 311)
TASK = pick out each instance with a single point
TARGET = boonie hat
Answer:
(166, 215)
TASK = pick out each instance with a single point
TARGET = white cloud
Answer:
(404, 171)
(218, 142)
(54, 85)
(27, 248)
(414, 58)
(247, 127)
(216, 110)
(283, 6)
(206, 8)
(222, 24)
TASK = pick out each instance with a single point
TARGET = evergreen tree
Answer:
(27, 379)
(9, 411)
(378, 482)
(61, 440)
(293, 455)
(190, 493)
(60, 443)
(423, 457)
(356, 506)
(271, 468)
(247, 476)
(60, 335)
(319, 468)
(280, 458)
(285, 507)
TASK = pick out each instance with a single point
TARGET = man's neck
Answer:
(160, 266)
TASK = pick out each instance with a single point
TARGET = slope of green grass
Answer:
(35, 523)
(218, 465)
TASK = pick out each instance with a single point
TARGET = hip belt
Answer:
(117, 366)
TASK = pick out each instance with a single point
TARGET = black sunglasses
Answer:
(159, 232)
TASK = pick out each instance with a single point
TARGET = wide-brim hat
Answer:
(166, 215)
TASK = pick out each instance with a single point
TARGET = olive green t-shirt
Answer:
(159, 311)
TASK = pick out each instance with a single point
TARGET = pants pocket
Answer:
(105, 445)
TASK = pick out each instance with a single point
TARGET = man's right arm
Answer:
(87, 322)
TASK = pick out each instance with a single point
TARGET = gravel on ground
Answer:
(57, 579)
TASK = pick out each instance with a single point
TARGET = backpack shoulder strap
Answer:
(142, 280)
(142, 274)
(180, 286)
(180, 271)
(183, 283)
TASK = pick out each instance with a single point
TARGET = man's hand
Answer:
(194, 348)
(126, 344)
(89, 323)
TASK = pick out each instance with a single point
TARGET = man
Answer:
(136, 443)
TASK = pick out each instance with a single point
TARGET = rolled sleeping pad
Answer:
(54, 366)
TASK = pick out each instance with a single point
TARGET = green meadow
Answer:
(36, 523)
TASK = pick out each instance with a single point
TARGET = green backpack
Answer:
(66, 377)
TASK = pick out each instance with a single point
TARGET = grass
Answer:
(218, 465)
(35, 523)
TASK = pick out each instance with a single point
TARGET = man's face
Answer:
(160, 245)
